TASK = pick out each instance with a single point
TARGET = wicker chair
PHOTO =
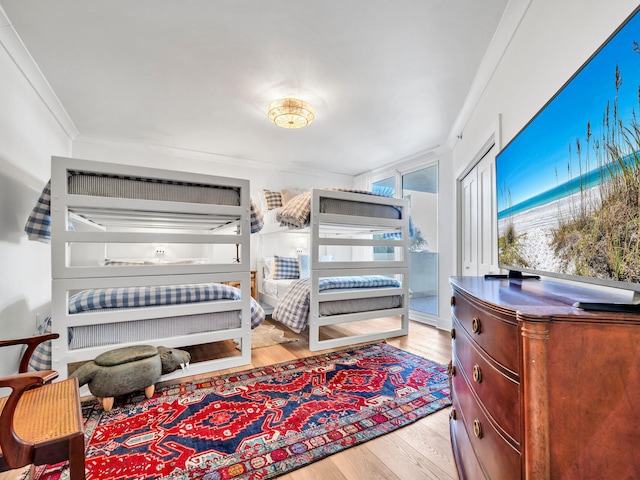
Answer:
(40, 421)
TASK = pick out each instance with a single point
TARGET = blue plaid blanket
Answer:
(297, 213)
(293, 308)
(132, 297)
(38, 226)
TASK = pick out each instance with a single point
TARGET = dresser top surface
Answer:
(544, 298)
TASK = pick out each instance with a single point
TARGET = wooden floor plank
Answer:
(407, 461)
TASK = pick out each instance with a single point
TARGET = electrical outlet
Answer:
(160, 250)
(299, 251)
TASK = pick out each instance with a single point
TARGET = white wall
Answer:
(552, 41)
(29, 135)
(446, 237)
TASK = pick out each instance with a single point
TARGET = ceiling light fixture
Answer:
(291, 113)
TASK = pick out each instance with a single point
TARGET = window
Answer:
(420, 188)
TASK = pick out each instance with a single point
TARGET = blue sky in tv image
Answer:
(541, 164)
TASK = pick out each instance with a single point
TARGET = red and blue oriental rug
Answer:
(263, 422)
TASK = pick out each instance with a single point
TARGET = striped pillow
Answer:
(285, 268)
(272, 199)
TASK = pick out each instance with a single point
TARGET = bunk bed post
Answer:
(314, 275)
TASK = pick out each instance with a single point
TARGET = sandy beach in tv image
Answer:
(534, 228)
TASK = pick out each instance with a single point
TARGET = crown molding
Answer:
(17, 51)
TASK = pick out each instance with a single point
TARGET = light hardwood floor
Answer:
(418, 451)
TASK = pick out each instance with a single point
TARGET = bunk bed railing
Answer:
(229, 227)
(397, 231)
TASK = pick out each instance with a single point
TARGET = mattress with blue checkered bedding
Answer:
(38, 225)
(105, 299)
(292, 310)
(297, 213)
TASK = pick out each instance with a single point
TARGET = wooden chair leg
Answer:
(76, 458)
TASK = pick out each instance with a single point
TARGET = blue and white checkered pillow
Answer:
(285, 268)
(257, 219)
(41, 357)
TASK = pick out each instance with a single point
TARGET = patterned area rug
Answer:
(266, 335)
(263, 422)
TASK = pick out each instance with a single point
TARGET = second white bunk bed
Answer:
(347, 280)
(161, 241)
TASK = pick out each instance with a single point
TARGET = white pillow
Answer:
(304, 265)
(289, 193)
(268, 268)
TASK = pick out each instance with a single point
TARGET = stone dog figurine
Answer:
(129, 369)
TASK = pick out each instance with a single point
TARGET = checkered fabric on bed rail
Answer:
(38, 225)
(131, 297)
(293, 308)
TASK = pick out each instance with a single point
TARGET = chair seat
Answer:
(50, 412)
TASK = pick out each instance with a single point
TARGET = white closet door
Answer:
(470, 223)
(487, 215)
(479, 236)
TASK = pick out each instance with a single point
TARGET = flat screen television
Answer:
(568, 184)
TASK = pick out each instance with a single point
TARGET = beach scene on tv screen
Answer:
(569, 182)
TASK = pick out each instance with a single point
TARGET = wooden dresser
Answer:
(540, 389)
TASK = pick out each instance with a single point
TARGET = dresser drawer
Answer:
(468, 466)
(497, 388)
(499, 460)
(496, 334)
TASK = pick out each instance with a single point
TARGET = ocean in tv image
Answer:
(569, 182)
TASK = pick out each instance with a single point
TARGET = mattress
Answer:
(293, 308)
(81, 183)
(296, 213)
(150, 329)
(337, 307)
(363, 209)
(278, 288)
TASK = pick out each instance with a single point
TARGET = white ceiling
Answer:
(387, 78)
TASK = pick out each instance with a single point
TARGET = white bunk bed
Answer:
(191, 222)
(343, 227)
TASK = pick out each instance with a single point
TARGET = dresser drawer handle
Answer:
(453, 414)
(453, 334)
(475, 325)
(477, 428)
(451, 370)
(477, 373)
